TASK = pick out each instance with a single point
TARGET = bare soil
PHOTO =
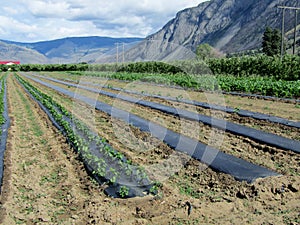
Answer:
(215, 198)
(236, 145)
(283, 109)
(278, 129)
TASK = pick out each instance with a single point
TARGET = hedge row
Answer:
(286, 69)
(44, 67)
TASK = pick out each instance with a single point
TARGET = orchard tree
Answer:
(205, 51)
(271, 43)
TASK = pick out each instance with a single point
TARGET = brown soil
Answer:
(239, 146)
(215, 198)
(277, 108)
(279, 129)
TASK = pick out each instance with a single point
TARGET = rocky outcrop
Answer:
(228, 25)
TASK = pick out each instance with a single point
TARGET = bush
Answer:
(150, 67)
(286, 69)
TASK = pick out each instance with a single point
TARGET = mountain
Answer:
(19, 53)
(72, 49)
(227, 25)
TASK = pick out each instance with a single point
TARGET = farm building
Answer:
(9, 62)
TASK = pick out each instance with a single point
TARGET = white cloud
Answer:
(45, 9)
(10, 10)
(50, 19)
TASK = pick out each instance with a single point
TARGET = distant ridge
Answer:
(14, 52)
(72, 49)
(228, 25)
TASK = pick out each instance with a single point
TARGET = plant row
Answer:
(287, 68)
(44, 67)
(260, 85)
(105, 163)
(150, 67)
(227, 83)
(2, 87)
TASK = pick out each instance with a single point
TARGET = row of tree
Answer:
(44, 67)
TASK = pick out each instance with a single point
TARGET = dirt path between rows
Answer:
(279, 129)
(283, 109)
(43, 182)
(242, 147)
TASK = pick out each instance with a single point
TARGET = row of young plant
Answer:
(105, 163)
(2, 87)
(4, 123)
(227, 83)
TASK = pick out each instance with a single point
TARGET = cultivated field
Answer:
(63, 160)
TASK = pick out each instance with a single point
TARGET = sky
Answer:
(39, 20)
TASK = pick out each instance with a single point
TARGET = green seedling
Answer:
(123, 191)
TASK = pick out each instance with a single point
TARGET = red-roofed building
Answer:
(9, 62)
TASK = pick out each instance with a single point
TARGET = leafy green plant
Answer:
(155, 187)
(123, 191)
(261, 65)
(105, 162)
(236, 109)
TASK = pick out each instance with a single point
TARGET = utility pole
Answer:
(117, 54)
(123, 50)
(282, 27)
(282, 34)
(295, 31)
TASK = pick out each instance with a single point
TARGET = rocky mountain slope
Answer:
(228, 25)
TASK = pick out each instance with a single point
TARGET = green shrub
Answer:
(150, 67)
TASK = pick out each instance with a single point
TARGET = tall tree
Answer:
(271, 43)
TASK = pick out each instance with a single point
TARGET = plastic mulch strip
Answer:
(240, 169)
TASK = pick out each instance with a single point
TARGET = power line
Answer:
(288, 7)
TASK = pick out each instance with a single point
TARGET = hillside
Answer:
(228, 25)
(19, 53)
(72, 49)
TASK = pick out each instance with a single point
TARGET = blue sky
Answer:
(37, 20)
